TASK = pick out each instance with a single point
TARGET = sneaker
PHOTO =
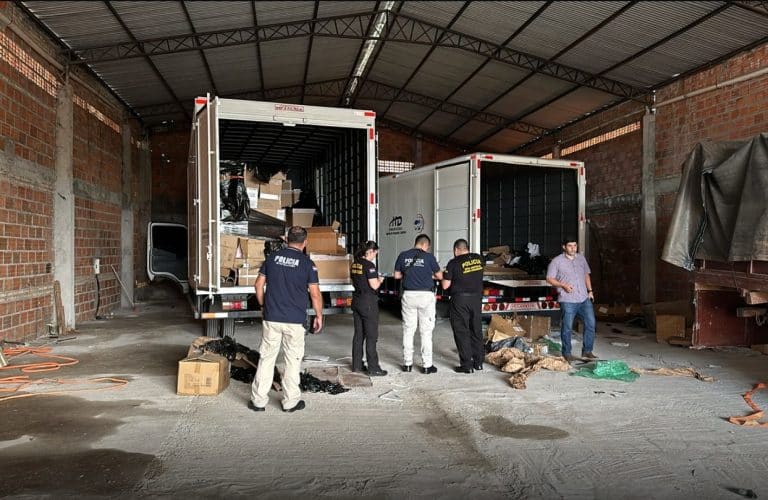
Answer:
(299, 406)
(588, 355)
(429, 369)
(253, 407)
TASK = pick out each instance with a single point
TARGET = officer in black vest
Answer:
(365, 309)
(464, 277)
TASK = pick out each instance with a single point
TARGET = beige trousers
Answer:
(418, 309)
(291, 337)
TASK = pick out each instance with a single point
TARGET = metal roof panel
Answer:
(441, 70)
(152, 19)
(331, 9)
(441, 123)
(282, 12)
(472, 131)
(185, 73)
(426, 11)
(137, 84)
(235, 69)
(65, 19)
(575, 104)
(504, 141)
(220, 15)
(332, 59)
(495, 21)
(284, 61)
(488, 84)
(529, 95)
(396, 62)
(407, 114)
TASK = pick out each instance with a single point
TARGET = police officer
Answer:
(464, 277)
(418, 269)
(289, 273)
(365, 309)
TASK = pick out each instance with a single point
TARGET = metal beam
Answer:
(554, 57)
(149, 61)
(756, 7)
(403, 28)
(202, 52)
(356, 61)
(371, 90)
(309, 52)
(424, 59)
(258, 45)
(486, 62)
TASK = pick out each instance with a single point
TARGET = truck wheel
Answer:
(228, 327)
(211, 328)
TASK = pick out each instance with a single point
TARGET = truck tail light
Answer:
(235, 305)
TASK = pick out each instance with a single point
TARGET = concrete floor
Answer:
(457, 436)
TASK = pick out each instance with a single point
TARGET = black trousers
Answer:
(466, 322)
(366, 317)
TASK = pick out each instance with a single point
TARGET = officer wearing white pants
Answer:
(418, 269)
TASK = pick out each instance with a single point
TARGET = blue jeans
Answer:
(583, 310)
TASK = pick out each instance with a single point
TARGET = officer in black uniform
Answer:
(464, 277)
(365, 309)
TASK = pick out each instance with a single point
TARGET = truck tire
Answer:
(228, 327)
(211, 328)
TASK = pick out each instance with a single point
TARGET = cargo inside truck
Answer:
(523, 204)
(328, 165)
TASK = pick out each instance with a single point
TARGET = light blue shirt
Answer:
(573, 272)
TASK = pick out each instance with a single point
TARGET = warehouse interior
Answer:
(97, 100)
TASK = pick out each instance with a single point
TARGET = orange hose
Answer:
(20, 383)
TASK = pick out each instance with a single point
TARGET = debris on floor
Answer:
(675, 372)
(521, 364)
(608, 369)
(310, 383)
(752, 420)
(620, 344)
(340, 375)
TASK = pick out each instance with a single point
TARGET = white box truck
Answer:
(330, 151)
(490, 200)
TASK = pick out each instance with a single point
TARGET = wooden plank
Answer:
(753, 297)
(61, 327)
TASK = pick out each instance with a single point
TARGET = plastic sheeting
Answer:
(720, 211)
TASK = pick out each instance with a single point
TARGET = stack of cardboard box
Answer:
(244, 256)
(266, 197)
(327, 247)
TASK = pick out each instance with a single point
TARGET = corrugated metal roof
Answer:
(502, 140)
(235, 65)
(235, 69)
(284, 62)
(571, 106)
(495, 21)
(439, 74)
(331, 59)
(396, 61)
(561, 24)
(529, 95)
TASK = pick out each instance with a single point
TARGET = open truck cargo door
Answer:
(453, 193)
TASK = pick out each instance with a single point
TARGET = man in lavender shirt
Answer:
(569, 273)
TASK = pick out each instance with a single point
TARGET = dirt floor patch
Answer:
(501, 427)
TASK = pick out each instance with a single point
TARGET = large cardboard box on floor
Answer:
(205, 374)
(332, 268)
(535, 326)
(501, 328)
(669, 325)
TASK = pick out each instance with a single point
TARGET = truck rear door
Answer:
(207, 200)
(452, 208)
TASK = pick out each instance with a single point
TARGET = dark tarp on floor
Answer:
(720, 211)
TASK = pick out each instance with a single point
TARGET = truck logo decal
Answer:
(418, 224)
(289, 107)
(395, 226)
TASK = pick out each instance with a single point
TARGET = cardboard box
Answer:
(269, 197)
(535, 326)
(335, 226)
(205, 374)
(669, 325)
(277, 180)
(326, 242)
(227, 249)
(287, 185)
(300, 217)
(762, 348)
(499, 250)
(252, 248)
(332, 267)
(501, 328)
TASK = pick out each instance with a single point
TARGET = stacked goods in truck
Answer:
(299, 217)
(326, 240)
(265, 197)
(332, 268)
(249, 260)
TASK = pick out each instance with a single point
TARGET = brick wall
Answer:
(397, 146)
(97, 161)
(170, 151)
(28, 90)
(27, 118)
